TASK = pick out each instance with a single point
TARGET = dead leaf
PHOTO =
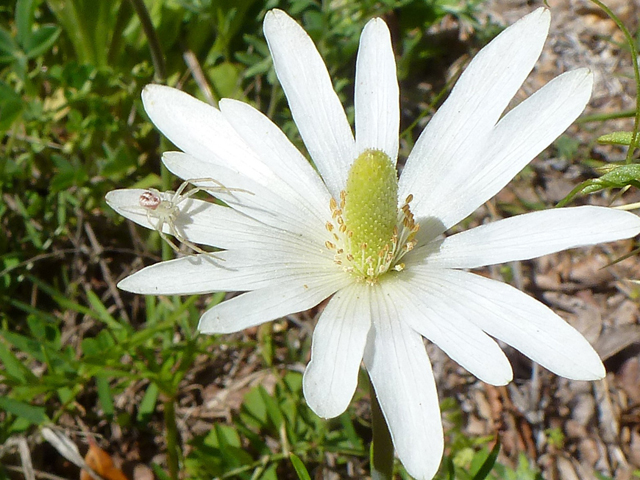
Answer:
(102, 464)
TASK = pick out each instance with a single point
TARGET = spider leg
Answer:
(181, 238)
(158, 227)
(181, 189)
(169, 242)
(219, 187)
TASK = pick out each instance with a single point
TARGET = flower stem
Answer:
(381, 445)
(171, 438)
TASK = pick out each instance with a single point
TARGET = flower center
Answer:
(369, 233)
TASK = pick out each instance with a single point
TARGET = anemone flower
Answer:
(291, 235)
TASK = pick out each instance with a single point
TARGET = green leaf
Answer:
(616, 138)
(32, 414)
(67, 174)
(25, 344)
(60, 298)
(102, 312)
(273, 410)
(449, 467)
(100, 348)
(230, 446)
(42, 40)
(11, 106)
(43, 352)
(254, 407)
(9, 49)
(225, 79)
(159, 472)
(104, 395)
(88, 25)
(350, 431)
(44, 331)
(14, 368)
(301, 470)
(270, 473)
(24, 20)
(487, 466)
(148, 403)
(65, 394)
(618, 176)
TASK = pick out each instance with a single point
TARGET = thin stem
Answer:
(122, 18)
(601, 117)
(629, 206)
(381, 445)
(152, 37)
(635, 138)
(171, 438)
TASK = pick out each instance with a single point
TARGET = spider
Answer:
(163, 211)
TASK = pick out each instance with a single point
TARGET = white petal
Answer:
(331, 377)
(194, 126)
(531, 235)
(280, 155)
(519, 136)
(459, 132)
(210, 224)
(275, 301)
(401, 374)
(314, 104)
(517, 319)
(242, 270)
(443, 322)
(266, 203)
(203, 133)
(377, 97)
(522, 134)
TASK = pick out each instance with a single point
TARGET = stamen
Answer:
(369, 266)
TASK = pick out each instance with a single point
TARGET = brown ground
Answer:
(600, 421)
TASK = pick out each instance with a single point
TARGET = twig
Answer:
(25, 458)
(198, 75)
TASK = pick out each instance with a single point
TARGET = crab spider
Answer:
(163, 211)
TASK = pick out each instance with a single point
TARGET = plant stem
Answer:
(171, 438)
(152, 37)
(381, 445)
(635, 137)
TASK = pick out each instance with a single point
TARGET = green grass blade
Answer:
(32, 414)
(301, 470)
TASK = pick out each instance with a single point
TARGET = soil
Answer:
(599, 421)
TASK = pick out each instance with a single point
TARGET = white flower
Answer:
(278, 242)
